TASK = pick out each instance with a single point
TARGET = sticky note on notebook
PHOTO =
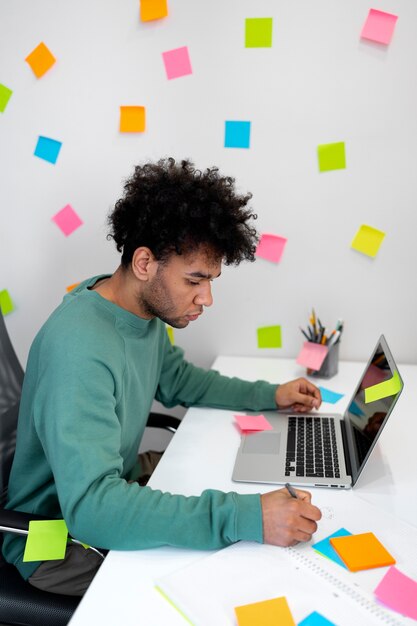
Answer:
(265, 613)
(46, 541)
(253, 422)
(325, 548)
(40, 60)
(331, 156)
(269, 337)
(312, 355)
(379, 26)
(6, 303)
(132, 119)
(363, 551)
(153, 10)
(398, 592)
(258, 32)
(67, 220)
(383, 390)
(271, 247)
(368, 240)
(177, 62)
(5, 95)
(315, 619)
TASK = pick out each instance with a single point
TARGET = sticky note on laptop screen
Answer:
(363, 551)
(265, 613)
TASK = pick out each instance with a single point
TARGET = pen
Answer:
(290, 490)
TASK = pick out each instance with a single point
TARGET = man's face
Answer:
(180, 288)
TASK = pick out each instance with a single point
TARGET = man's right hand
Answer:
(287, 520)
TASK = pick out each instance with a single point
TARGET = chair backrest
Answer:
(11, 379)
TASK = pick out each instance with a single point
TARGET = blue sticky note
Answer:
(353, 408)
(237, 134)
(330, 396)
(47, 149)
(315, 619)
(325, 548)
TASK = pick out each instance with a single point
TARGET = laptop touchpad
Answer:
(262, 443)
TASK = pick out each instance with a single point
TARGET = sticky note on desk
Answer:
(379, 26)
(315, 619)
(46, 541)
(312, 355)
(398, 592)
(383, 390)
(265, 613)
(330, 396)
(253, 422)
(368, 240)
(325, 548)
(363, 551)
(271, 247)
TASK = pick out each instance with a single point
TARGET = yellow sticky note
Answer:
(266, 613)
(331, 156)
(40, 60)
(46, 541)
(363, 551)
(132, 119)
(269, 337)
(170, 332)
(368, 240)
(153, 10)
(383, 390)
(6, 303)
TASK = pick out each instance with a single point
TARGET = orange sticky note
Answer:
(266, 613)
(40, 60)
(153, 9)
(71, 287)
(132, 119)
(362, 551)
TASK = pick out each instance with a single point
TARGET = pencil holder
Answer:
(330, 365)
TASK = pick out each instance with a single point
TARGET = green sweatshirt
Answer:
(92, 374)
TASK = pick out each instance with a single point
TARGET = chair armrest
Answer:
(160, 420)
(17, 521)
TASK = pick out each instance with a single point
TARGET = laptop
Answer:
(324, 450)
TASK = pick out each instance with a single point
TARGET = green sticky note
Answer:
(47, 540)
(6, 303)
(5, 94)
(269, 337)
(368, 240)
(331, 156)
(258, 32)
(170, 332)
(383, 390)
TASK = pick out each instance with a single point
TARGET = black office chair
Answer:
(20, 603)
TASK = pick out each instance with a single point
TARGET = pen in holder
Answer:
(314, 356)
(330, 365)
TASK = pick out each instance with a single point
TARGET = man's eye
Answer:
(193, 282)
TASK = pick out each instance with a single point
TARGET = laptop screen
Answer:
(372, 402)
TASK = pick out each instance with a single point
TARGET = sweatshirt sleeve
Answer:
(183, 383)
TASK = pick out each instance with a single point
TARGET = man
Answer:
(103, 356)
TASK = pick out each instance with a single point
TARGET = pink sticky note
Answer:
(253, 422)
(379, 26)
(271, 247)
(398, 592)
(67, 220)
(177, 62)
(374, 375)
(312, 355)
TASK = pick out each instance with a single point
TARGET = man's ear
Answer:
(144, 264)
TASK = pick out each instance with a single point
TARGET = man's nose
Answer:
(204, 297)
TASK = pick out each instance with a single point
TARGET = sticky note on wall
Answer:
(48, 149)
(237, 134)
(6, 303)
(177, 62)
(132, 119)
(379, 26)
(368, 240)
(5, 95)
(67, 220)
(271, 247)
(40, 60)
(269, 337)
(153, 10)
(331, 156)
(258, 32)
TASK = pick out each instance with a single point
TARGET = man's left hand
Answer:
(298, 395)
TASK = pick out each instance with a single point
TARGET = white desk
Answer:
(201, 456)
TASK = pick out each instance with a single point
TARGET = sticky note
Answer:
(373, 376)
(258, 32)
(46, 541)
(315, 619)
(5, 94)
(132, 119)
(253, 422)
(383, 390)
(327, 395)
(331, 156)
(237, 134)
(363, 551)
(48, 149)
(271, 247)
(379, 26)
(153, 10)
(177, 62)
(40, 60)
(353, 408)
(170, 332)
(368, 240)
(265, 613)
(398, 592)
(326, 549)
(67, 220)
(312, 355)
(6, 303)
(269, 337)
(71, 287)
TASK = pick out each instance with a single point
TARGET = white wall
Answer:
(319, 83)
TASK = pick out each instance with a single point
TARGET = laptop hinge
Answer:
(346, 448)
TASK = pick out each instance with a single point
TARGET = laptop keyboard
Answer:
(311, 447)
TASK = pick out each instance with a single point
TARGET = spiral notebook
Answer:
(207, 591)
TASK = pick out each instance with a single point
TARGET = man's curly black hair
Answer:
(173, 207)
